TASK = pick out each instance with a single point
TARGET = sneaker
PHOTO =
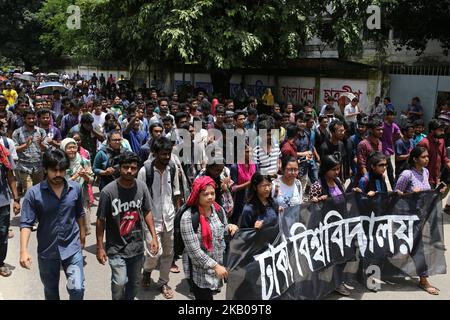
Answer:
(5, 271)
(342, 290)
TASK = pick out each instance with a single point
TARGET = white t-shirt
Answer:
(98, 120)
(350, 109)
(288, 196)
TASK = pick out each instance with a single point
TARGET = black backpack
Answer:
(178, 243)
(150, 174)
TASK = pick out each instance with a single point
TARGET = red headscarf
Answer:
(214, 103)
(198, 186)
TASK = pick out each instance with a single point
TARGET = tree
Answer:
(224, 36)
(417, 22)
(20, 32)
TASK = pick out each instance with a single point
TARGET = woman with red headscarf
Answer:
(205, 248)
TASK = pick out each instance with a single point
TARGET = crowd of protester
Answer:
(130, 144)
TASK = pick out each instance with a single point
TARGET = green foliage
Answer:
(224, 35)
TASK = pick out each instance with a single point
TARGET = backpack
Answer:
(178, 243)
(150, 175)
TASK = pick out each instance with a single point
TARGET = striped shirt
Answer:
(267, 162)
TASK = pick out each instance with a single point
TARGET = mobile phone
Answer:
(440, 186)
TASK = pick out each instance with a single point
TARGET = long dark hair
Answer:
(374, 159)
(252, 198)
(415, 153)
(328, 163)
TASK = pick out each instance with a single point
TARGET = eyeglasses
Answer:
(292, 170)
(116, 140)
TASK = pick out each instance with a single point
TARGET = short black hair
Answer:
(162, 144)
(128, 157)
(374, 123)
(419, 122)
(154, 125)
(321, 118)
(299, 115)
(277, 116)
(220, 109)
(334, 124)
(252, 111)
(435, 124)
(179, 116)
(55, 159)
(21, 100)
(167, 119)
(87, 118)
(291, 131)
(406, 126)
(28, 111)
(239, 113)
(43, 111)
(307, 117)
(112, 132)
(3, 101)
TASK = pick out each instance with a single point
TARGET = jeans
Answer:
(313, 172)
(49, 270)
(125, 276)
(4, 228)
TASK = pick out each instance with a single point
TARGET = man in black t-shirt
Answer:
(124, 204)
(334, 144)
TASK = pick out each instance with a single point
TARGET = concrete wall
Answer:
(294, 89)
(404, 87)
(88, 71)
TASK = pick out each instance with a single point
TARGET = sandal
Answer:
(167, 291)
(174, 268)
(429, 288)
(5, 272)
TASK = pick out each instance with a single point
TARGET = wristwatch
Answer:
(17, 200)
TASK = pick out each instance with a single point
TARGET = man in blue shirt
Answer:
(58, 206)
(134, 133)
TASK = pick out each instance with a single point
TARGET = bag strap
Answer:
(5, 142)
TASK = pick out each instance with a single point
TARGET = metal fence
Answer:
(424, 70)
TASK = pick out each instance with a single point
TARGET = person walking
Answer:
(58, 205)
(123, 208)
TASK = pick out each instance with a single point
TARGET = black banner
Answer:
(306, 255)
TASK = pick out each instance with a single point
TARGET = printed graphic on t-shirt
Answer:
(127, 222)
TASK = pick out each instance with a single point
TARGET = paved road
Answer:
(25, 284)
